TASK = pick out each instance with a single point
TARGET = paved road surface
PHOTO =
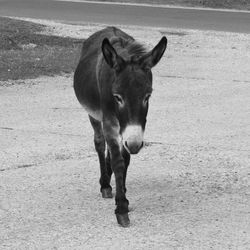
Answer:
(128, 15)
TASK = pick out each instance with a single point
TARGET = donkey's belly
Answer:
(96, 114)
(89, 98)
(86, 89)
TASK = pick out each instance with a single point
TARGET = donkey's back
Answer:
(92, 46)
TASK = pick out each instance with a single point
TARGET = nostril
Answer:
(126, 144)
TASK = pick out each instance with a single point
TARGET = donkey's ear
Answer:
(153, 57)
(111, 57)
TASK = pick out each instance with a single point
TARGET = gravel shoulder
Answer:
(189, 188)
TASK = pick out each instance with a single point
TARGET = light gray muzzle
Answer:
(132, 138)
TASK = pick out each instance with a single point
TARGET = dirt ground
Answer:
(189, 188)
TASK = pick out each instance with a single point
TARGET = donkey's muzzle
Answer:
(133, 147)
(133, 138)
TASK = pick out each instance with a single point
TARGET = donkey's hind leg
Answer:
(100, 146)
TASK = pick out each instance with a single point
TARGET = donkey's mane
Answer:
(136, 49)
(128, 48)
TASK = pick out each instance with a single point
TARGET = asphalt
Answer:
(81, 12)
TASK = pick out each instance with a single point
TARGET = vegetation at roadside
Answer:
(24, 53)
(229, 4)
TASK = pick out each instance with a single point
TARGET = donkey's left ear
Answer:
(153, 57)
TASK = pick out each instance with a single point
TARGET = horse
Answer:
(113, 83)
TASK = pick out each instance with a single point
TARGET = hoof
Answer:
(123, 220)
(107, 193)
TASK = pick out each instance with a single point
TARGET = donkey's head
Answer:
(131, 90)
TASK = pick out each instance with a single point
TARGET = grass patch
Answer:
(26, 54)
(229, 4)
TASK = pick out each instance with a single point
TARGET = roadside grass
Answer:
(228, 4)
(24, 53)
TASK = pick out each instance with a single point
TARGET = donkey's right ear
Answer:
(111, 57)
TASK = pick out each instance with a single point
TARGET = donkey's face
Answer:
(131, 91)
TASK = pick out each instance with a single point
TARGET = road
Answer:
(79, 12)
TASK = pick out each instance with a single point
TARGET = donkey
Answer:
(113, 82)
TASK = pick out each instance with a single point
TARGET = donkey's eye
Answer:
(118, 99)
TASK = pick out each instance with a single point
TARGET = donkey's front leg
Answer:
(126, 158)
(118, 165)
